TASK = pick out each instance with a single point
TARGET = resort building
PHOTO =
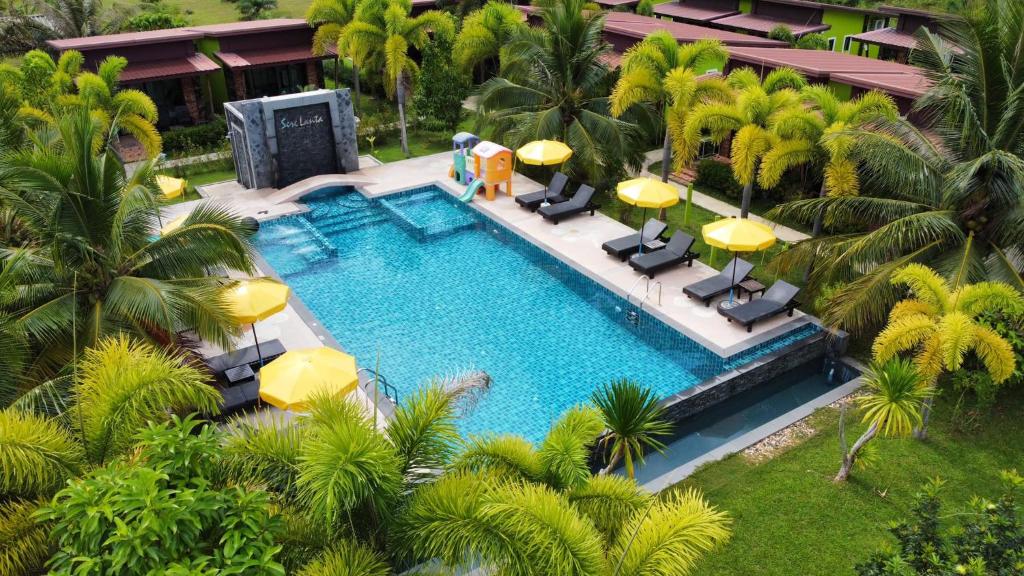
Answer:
(896, 41)
(190, 72)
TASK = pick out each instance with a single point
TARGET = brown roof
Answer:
(124, 39)
(611, 59)
(616, 3)
(887, 37)
(266, 56)
(637, 26)
(764, 24)
(166, 69)
(909, 85)
(251, 27)
(912, 12)
(817, 63)
(690, 12)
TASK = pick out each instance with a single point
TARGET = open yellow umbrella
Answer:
(647, 193)
(256, 299)
(173, 225)
(170, 186)
(291, 380)
(737, 235)
(544, 153)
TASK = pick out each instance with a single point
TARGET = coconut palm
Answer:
(925, 190)
(747, 119)
(940, 326)
(484, 35)
(27, 25)
(661, 72)
(94, 268)
(895, 392)
(634, 420)
(330, 17)
(380, 37)
(554, 85)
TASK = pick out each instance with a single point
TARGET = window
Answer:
(878, 23)
(832, 44)
(847, 40)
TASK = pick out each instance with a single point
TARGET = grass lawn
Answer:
(789, 518)
(217, 11)
(421, 143)
(199, 180)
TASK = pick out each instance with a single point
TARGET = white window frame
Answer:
(832, 44)
(847, 42)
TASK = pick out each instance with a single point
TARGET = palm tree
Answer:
(330, 17)
(554, 85)
(940, 326)
(926, 190)
(94, 269)
(659, 71)
(27, 25)
(118, 387)
(380, 37)
(892, 406)
(634, 420)
(484, 35)
(747, 119)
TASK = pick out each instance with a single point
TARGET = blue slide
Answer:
(474, 186)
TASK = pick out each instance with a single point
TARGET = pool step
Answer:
(351, 222)
(412, 222)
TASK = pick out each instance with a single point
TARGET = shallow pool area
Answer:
(434, 286)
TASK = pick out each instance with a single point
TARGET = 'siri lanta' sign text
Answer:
(302, 122)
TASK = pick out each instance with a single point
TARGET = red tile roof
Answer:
(124, 39)
(691, 13)
(764, 24)
(167, 69)
(251, 27)
(637, 26)
(266, 57)
(905, 85)
(887, 37)
(816, 63)
(616, 3)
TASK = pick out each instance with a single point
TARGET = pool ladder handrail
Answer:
(648, 287)
(390, 392)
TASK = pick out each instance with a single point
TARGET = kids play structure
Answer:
(480, 165)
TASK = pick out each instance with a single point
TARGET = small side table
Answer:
(239, 374)
(750, 287)
(653, 245)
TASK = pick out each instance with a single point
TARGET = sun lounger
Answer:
(706, 289)
(270, 350)
(778, 299)
(578, 204)
(626, 246)
(673, 254)
(533, 200)
(235, 398)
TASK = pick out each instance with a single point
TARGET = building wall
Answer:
(842, 91)
(845, 23)
(746, 6)
(216, 84)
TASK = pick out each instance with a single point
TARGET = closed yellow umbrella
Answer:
(170, 186)
(737, 235)
(173, 225)
(292, 379)
(647, 193)
(544, 153)
(256, 299)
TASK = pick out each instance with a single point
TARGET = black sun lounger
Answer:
(778, 299)
(578, 204)
(270, 350)
(533, 200)
(708, 288)
(626, 246)
(673, 254)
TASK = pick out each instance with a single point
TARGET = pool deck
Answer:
(576, 242)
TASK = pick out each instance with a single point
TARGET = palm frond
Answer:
(347, 558)
(37, 455)
(24, 542)
(609, 501)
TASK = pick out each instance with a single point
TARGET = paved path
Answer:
(717, 206)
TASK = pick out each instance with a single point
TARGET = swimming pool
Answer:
(434, 287)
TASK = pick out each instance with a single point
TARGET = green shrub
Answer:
(441, 88)
(198, 139)
(645, 8)
(716, 175)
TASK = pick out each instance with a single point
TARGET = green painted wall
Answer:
(842, 91)
(217, 83)
(745, 5)
(712, 65)
(845, 23)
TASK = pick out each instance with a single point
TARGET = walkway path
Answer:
(717, 206)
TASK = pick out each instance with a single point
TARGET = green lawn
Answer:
(789, 518)
(217, 11)
(421, 143)
(199, 180)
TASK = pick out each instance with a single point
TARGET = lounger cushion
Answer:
(580, 202)
(248, 355)
(553, 194)
(721, 283)
(776, 300)
(626, 245)
(675, 252)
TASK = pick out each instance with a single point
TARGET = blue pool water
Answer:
(436, 287)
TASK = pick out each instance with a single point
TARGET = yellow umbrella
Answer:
(647, 193)
(291, 380)
(170, 186)
(737, 235)
(544, 152)
(173, 225)
(256, 299)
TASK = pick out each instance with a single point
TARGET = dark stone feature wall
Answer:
(309, 148)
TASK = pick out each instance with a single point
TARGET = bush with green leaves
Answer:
(165, 510)
(198, 139)
(987, 539)
(718, 176)
(440, 88)
(645, 8)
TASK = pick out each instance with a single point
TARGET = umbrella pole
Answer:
(643, 219)
(258, 353)
(732, 286)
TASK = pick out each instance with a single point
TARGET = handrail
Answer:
(657, 284)
(647, 287)
(390, 391)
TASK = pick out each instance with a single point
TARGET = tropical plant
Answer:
(441, 87)
(256, 9)
(940, 325)
(27, 25)
(330, 17)
(94, 268)
(167, 510)
(645, 8)
(986, 540)
(895, 393)
(554, 85)
(663, 73)
(813, 41)
(634, 421)
(926, 190)
(380, 37)
(748, 119)
(484, 35)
